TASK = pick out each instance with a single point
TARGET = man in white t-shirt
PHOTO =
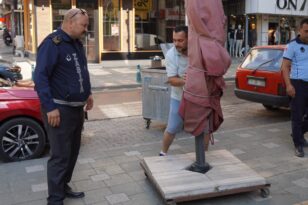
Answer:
(176, 63)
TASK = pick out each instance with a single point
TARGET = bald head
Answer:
(75, 22)
(73, 14)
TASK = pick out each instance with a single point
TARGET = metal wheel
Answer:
(265, 192)
(21, 139)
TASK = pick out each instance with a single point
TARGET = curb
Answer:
(5, 61)
(115, 87)
(133, 86)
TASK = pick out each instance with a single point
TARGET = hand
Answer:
(290, 91)
(53, 118)
(184, 77)
(90, 103)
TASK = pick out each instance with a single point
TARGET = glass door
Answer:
(91, 40)
(111, 25)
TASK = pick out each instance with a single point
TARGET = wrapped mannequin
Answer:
(284, 35)
(277, 36)
(239, 37)
(231, 40)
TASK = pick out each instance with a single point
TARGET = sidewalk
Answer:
(108, 167)
(106, 75)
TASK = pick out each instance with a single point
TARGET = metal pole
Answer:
(246, 34)
(200, 152)
(200, 165)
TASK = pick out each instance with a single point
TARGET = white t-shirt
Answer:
(176, 65)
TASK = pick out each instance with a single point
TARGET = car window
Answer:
(263, 59)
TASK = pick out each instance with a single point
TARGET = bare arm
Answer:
(176, 81)
(286, 68)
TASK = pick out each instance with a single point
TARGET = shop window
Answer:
(146, 24)
(59, 7)
(281, 32)
(111, 25)
(90, 41)
(175, 15)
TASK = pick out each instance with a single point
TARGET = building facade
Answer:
(118, 29)
(266, 22)
(133, 29)
(277, 21)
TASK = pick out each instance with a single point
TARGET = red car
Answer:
(259, 78)
(22, 134)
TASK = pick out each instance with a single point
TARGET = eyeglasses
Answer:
(81, 11)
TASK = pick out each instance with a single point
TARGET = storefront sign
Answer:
(143, 4)
(277, 7)
(291, 4)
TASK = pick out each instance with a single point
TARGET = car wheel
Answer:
(21, 139)
(271, 107)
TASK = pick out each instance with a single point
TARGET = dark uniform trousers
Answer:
(298, 110)
(64, 149)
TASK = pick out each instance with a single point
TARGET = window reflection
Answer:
(59, 7)
(111, 25)
(155, 20)
(264, 59)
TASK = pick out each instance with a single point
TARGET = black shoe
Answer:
(299, 151)
(71, 194)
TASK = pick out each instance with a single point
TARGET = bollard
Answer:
(138, 74)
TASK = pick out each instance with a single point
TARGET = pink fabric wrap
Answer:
(208, 62)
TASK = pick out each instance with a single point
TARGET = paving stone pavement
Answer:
(108, 167)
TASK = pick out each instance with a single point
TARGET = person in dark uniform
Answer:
(295, 74)
(63, 85)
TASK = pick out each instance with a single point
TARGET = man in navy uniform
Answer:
(63, 85)
(295, 74)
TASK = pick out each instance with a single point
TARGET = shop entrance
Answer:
(281, 31)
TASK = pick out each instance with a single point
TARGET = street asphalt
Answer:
(108, 167)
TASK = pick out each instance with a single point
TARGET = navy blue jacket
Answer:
(61, 71)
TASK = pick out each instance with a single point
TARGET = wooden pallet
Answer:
(228, 175)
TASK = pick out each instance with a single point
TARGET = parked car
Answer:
(22, 134)
(259, 77)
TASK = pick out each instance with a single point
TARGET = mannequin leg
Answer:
(237, 48)
(240, 48)
(231, 47)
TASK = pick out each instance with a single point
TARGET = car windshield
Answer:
(263, 59)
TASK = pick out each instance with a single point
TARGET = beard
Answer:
(181, 49)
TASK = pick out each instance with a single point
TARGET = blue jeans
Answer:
(175, 122)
